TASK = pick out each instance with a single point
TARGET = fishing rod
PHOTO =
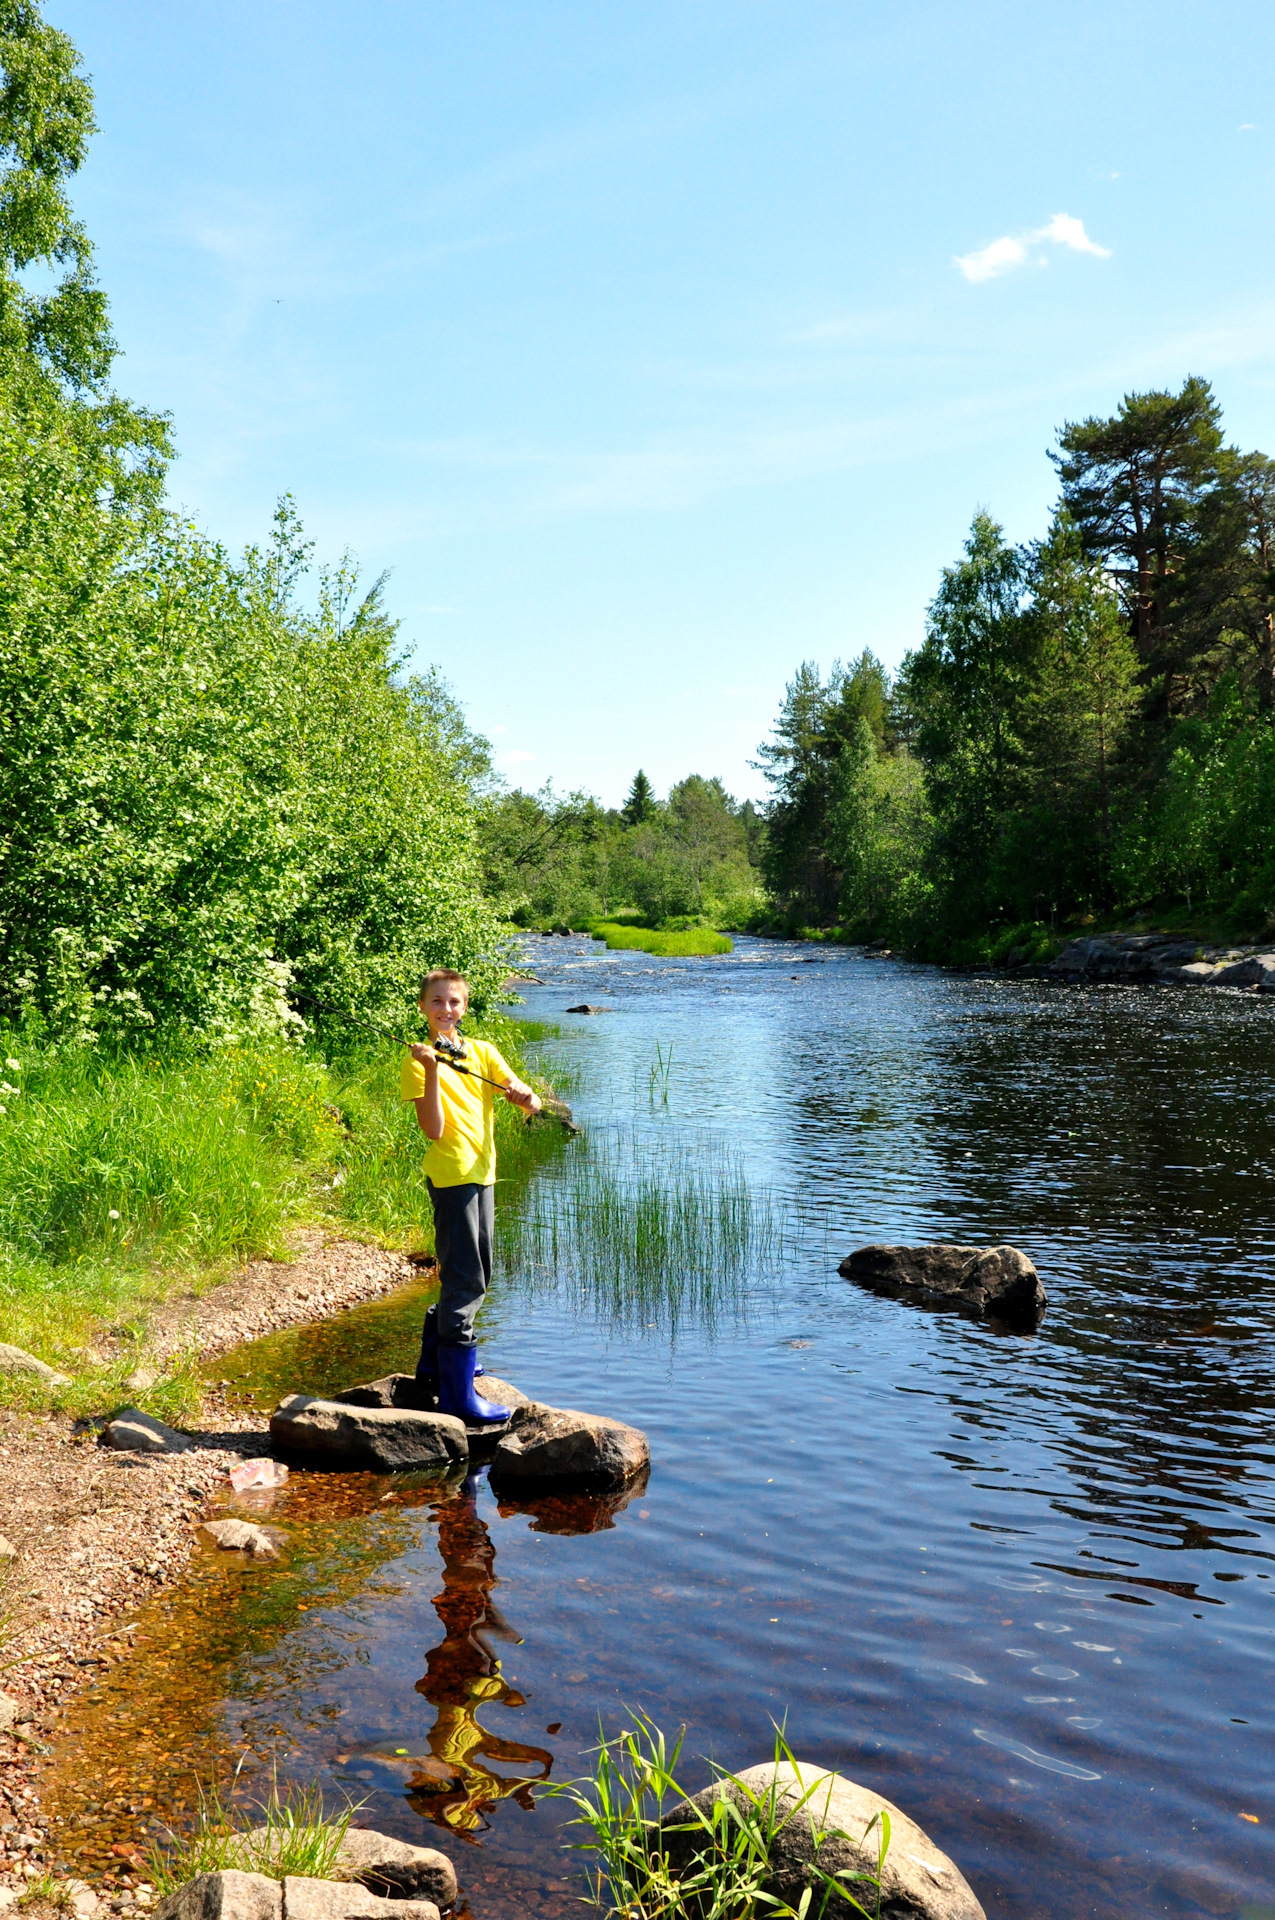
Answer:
(452, 1051)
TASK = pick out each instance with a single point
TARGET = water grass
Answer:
(644, 1231)
(295, 1834)
(658, 1855)
(684, 942)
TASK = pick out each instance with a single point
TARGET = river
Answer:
(1022, 1583)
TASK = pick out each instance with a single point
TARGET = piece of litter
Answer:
(258, 1473)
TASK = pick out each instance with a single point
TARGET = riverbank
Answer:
(96, 1533)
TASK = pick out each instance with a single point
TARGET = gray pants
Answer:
(463, 1221)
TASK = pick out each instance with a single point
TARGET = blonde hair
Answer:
(436, 975)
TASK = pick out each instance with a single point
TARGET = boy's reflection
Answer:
(462, 1675)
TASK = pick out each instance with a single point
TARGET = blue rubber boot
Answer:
(427, 1365)
(456, 1393)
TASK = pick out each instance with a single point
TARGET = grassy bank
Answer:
(619, 935)
(125, 1175)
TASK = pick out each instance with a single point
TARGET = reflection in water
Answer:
(463, 1674)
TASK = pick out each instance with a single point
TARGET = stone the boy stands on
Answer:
(456, 1113)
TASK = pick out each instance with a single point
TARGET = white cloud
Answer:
(1015, 250)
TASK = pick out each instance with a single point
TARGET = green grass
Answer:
(706, 1863)
(679, 943)
(293, 1835)
(122, 1176)
(644, 1232)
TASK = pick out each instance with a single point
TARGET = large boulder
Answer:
(838, 1825)
(997, 1281)
(325, 1433)
(394, 1868)
(305, 1899)
(228, 1895)
(132, 1431)
(559, 1446)
(1258, 970)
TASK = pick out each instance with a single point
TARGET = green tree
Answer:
(1134, 485)
(640, 804)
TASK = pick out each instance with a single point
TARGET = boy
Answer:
(456, 1113)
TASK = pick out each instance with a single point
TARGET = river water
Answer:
(1022, 1583)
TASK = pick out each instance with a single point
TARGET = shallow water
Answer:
(1023, 1583)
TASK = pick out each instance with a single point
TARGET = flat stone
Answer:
(10, 1711)
(560, 1444)
(999, 1281)
(1196, 973)
(15, 1360)
(1254, 971)
(371, 1439)
(7, 1549)
(228, 1895)
(241, 1536)
(405, 1390)
(132, 1431)
(81, 1898)
(839, 1826)
(391, 1867)
(305, 1899)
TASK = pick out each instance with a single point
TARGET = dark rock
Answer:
(132, 1431)
(1258, 970)
(559, 1445)
(586, 1009)
(305, 1899)
(229, 1895)
(999, 1281)
(392, 1867)
(838, 1827)
(326, 1433)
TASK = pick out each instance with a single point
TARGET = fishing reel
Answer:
(451, 1048)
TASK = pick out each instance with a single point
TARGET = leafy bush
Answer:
(693, 940)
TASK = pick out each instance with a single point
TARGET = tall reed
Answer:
(642, 1230)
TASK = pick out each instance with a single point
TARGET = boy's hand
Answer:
(424, 1056)
(519, 1094)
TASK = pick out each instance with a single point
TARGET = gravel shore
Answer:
(86, 1534)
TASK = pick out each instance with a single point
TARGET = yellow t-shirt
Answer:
(467, 1150)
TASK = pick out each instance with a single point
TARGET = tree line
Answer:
(1086, 729)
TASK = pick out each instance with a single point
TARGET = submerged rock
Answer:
(228, 1895)
(329, 1433)
(585, 1008)
(838, 1826)
(241, 1536)
(16, 1360)
(999, 1281)
(546, 1445)
(132, 1431)
(393, 1867)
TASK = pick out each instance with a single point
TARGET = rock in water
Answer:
(917, 1881)
(14, 1360)
(405, 1390)
(241, 1536)
(346, 1900)
(132, 1431)
(375, 1439)
(229, 1895)
(999, 1281)
(559, 1445)
(393, 1867)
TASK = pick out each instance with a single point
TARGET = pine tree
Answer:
(640, 804)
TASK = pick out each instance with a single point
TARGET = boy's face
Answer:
(444, 1006)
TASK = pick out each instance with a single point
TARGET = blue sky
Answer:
(657, 348)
